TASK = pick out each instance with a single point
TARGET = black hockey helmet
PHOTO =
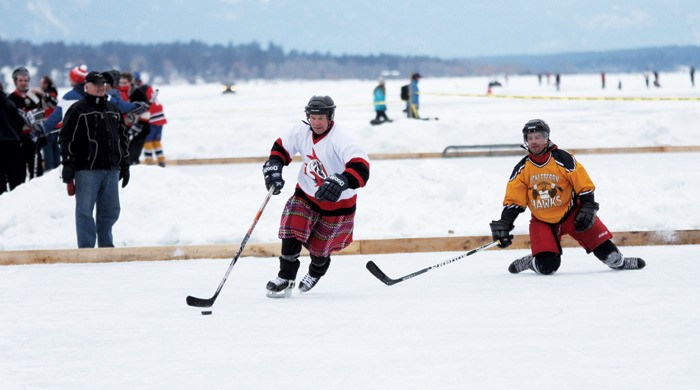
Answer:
(535, 126)
(320, 105)
(112, 77)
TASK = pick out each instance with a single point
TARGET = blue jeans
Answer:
(96, 188)
(52, 153)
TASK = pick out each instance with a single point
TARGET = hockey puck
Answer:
(206, 312)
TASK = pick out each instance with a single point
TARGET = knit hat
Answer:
(77, 74)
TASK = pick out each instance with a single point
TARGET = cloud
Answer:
(43, 10)
(616, 19)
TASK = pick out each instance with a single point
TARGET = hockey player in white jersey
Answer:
(320, 214)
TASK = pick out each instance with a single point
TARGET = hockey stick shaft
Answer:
(379, 274)
(201, 302)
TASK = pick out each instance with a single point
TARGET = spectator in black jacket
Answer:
(95, 157)
(12, 170)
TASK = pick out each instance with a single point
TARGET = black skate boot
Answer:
(631, 263)
(317, 268)
(282, 285)
(307, 283)
(520, 264)
(280, 288)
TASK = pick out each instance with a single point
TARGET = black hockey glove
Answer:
(67, 173)
(136, 129)
(124, 175)
(332, 187)
(142, 107)
(272, 170)
(37, 133)
(586, 216)
(500, 231)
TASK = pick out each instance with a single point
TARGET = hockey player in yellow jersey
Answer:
(560, 195)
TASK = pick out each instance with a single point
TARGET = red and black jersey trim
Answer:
(357, 172)
(342, 207)
(280, 153)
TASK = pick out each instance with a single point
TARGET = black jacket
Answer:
(11, 122)
(94, 136)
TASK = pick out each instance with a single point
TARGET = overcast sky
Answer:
(446, 29)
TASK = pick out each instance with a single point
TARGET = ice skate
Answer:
(280, 288)
(307, 283)
(629, 263)
(520, 265)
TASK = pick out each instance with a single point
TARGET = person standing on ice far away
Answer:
(320, 214)
(559, 193)
(380, 102)
(95, 156)
(413, 103)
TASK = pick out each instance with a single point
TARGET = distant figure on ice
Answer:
(657, 84)
(557, 80)
(692, 76)
(602, 79)
(646, 78)
(413, 103)
(559, 193)
(380, 104)
(320, 216)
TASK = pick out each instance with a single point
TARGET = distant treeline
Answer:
(196, 61)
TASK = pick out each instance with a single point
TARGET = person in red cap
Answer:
(77, 81)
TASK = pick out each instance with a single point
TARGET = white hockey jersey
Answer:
(322, 156)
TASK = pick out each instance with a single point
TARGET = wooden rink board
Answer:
(359, 247)
(466, 153)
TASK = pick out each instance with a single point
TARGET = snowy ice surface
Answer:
(467, 325)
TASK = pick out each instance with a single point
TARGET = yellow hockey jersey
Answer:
(548, 185)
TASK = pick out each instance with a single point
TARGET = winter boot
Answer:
(521, 264)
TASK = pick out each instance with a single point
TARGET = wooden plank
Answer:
(466, 153)
(364, 247)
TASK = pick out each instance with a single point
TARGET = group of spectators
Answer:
(95, 131)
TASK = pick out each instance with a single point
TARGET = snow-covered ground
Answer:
(467, 325)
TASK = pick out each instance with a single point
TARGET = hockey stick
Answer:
(202, 302)
(379, 274)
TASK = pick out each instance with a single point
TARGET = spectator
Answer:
(95, 157)
(602, 79)
(380, 103)
(140, 125)
(557, 80)
(76, 76)
(656, 80)
(559, 193)
(320, 215)
(52, 153)
(114, 95)
(12, 168)
(156, 121)
(31, 103)
(413, 103)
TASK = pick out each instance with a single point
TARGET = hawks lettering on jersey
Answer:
(548, 189)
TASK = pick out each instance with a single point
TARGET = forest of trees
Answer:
(199, 62)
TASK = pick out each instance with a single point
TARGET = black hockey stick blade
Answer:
(200, 302)
(379, 274)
